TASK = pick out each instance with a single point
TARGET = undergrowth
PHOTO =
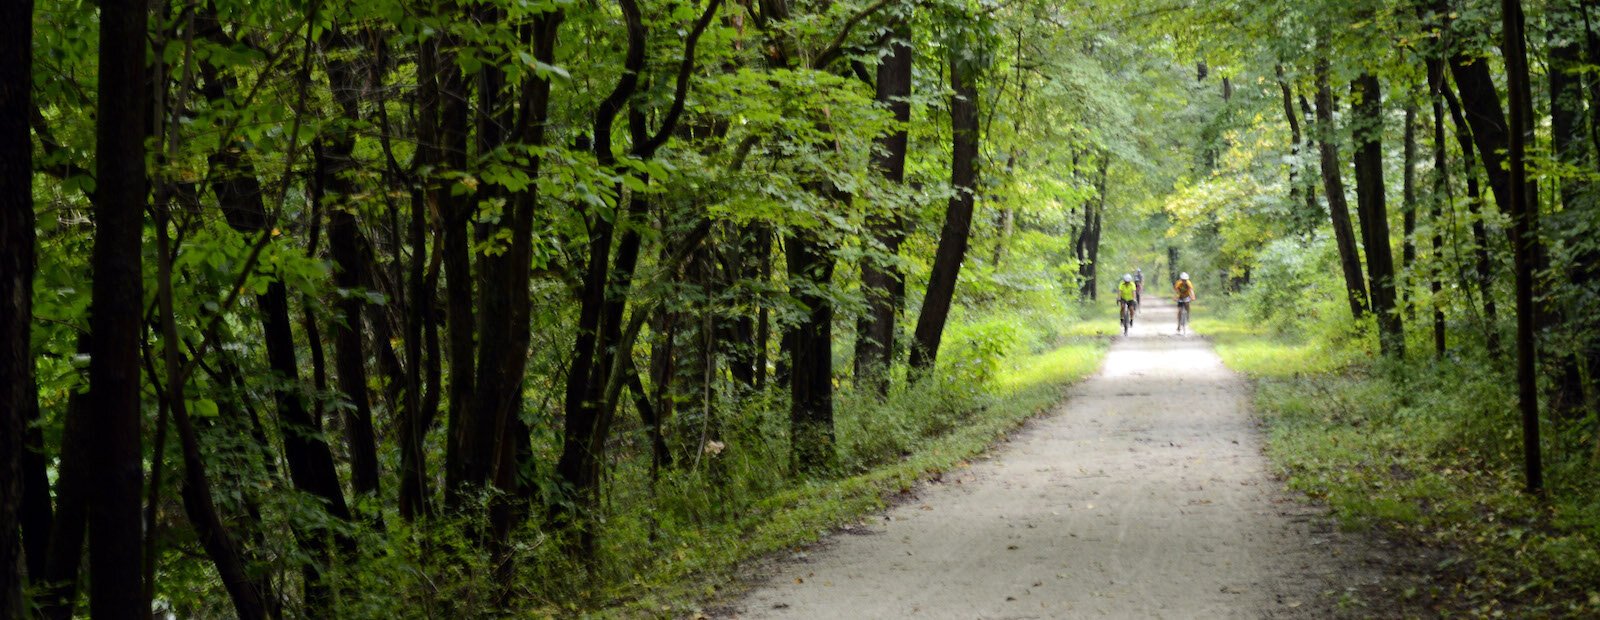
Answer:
(1428, 452)
(885, 447)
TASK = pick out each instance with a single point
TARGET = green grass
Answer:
(705, 566)
(1425, 453)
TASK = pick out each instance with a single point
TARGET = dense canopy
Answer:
(454, 308)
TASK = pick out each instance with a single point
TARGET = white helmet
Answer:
(1183, 276)
(1127, 277)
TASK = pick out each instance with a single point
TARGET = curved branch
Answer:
(606, 114)
(685, 70)
(836, 48)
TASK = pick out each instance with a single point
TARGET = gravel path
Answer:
(1145, 495)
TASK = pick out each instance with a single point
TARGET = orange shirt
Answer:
(1184, 289)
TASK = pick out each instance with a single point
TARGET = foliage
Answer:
(1420, 454)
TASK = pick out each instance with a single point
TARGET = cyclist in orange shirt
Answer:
(1184, 289)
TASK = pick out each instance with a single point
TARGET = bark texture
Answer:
(1374, 213)
(1333, 186)
(18, 396)
(881, 280)
(116, 581)
(953, 237)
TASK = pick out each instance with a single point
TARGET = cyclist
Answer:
(1184, 289)
(1138, 285)
(1127, 296)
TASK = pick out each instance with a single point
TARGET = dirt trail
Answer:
(1144, 495)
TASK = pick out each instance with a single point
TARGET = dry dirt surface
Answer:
(1144, 495)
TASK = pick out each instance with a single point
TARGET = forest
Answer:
(471, 308)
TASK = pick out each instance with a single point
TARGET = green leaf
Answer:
(203, 408)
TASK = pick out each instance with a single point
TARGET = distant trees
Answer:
(1494, 138)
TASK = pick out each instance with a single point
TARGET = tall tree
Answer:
(1483, 265)
(18, 396)
(1333, 186)
(334, 167)
(811, 358)
(116, 533)
(1408, 203)
(306, 452)
(952, 250)
(449, 153)
(1299, 189)
(1441, 198)
(1568, 144)
(603, 344)
(1524, 211)
(881, 279)
(1374, 213)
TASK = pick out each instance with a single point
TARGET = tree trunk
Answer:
(221, 546)
(415, 495)
(1408, 196)
(592, 380)
(739, 334)
(74, 480)
(1333, 186)
(578, 466)
(1305, 223)
(455, 214)
(811, 357)
(1480, 105)
(496, 395)
(345, 245)
(1080, 251)
(1524, 211)
(1441, 194)
(1591, 260)
(952, 248)
(764, 314)
(1570, 148)
(1094, 236)
(1483, 264)
(18, 394)
(1374, 213)
(881, 279)
(309, 458)
(116, 583)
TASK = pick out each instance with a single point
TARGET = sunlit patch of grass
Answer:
(1096, 319)
(1253, 350)
(1068, 363)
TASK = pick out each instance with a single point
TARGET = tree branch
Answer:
(605, 115)
(685, 72)
(834, 49)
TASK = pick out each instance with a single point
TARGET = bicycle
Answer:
(1127, 310)
(1183, 314)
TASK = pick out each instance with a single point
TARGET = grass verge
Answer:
(704, 570)
(1424, 455)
